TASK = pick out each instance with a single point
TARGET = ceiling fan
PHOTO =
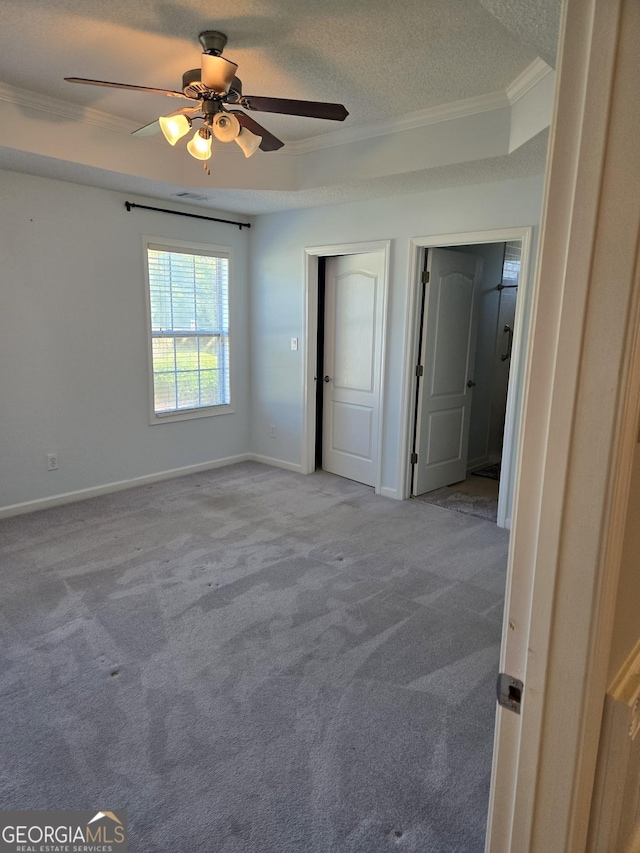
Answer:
(217, 90)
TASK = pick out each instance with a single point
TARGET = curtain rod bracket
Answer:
(130, 205)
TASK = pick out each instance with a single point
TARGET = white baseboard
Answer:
(476, 464)
(387, 492)
(275, 463)
(120, 485)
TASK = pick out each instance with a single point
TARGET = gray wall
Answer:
(73, 342)
(73, 349)
(277, 284)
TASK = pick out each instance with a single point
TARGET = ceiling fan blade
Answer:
(154, 127)
(86, 82)
(147, 129)
(312, 109)
(269, 141)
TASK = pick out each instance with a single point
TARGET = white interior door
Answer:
(447, 353)
(351, 370)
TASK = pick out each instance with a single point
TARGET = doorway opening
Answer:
(466, 322)
(467, 328)
(346, 294)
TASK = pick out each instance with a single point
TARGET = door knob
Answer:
(327, 379)
(471, 384)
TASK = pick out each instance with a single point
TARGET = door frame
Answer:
(521, 332)
(580, 431)
(310, 373)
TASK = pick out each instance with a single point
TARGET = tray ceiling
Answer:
(383, 60)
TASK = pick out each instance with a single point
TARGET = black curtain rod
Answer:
(130, 204)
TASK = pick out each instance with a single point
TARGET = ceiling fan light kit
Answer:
(215, 88)
(200, 144)
(248, 142)
(225, 127)
(174, 127)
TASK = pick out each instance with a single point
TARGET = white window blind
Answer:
(189, 304)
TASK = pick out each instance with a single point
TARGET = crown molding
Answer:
(74, 112)
(529, 78)
(525, 81)
(35, 101)
(408, 121)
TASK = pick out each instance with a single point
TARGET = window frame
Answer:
(171, 245)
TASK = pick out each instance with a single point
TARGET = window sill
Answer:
(191, 414)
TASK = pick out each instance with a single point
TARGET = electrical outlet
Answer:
(274, 431)
(52, 461)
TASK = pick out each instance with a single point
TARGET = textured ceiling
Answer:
(534, 22)
(384, 59)
(380, 58)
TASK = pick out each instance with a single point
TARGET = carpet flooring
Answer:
(252, 660)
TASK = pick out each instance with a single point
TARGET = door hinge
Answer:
(510, 690)
(414, 458)
(419, 370)
(425, 276)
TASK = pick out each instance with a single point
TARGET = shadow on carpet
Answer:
(448, 497)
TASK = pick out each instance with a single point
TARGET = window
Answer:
(189, 324)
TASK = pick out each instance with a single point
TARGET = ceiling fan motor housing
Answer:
(209, 110)
(212, 41)
(191, 84)
(193, 87)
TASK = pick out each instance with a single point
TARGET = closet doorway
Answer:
(468, 327)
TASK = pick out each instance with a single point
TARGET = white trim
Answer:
(388, 492)
(530, 77)
(36, 102)
(579, 431)
(64, 109)
(191, 414)
(144, 480)
(520, 347)
(275, 463)
(311, 255)
(477, 463)
(520, 343)
(119, 485)
(488, 102)
(309, 370)
(420, 118)
(409, 121)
